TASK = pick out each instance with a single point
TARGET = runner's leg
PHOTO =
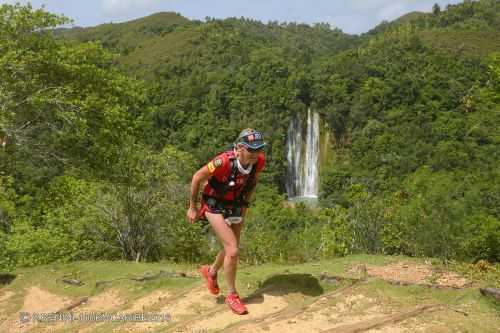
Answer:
(219, 260)
(218, 263)
(237, 231)
(230, 242)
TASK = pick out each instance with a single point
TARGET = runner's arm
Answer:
(199, 177)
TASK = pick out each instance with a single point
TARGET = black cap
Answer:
(251, 138)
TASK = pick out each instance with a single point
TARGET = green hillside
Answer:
(409, 17)
(125, 37)
(470, 28)
(102, 129)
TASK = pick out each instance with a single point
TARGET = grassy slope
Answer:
(146, 44)
(470, 43)
(462, 38)
(125, 37)
(297, 284)
(408, 17)
(151, 53)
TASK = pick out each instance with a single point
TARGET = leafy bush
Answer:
(483, 238)
(142, 210)
(59, 230)
(281, 231)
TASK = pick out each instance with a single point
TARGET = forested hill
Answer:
(234, 71)
(125, 37)
(222, 74)
(206, 63)
(409, 102)
(147, 44)
(468, 28)
(99, 139)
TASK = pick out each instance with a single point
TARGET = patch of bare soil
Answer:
(194, 302)
(266, 305)
(411, 273)
(411, 325)
(195, 310)
(383, 320)
(450, 279)
(36, 300)
(140, 305)
(145, 302)
(103, 302)
(321, 317)
(106, 302)
(353, 313)
(5, 296)
(405, 273)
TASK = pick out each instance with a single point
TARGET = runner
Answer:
(230, 180)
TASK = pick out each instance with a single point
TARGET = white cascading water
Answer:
(303, 157)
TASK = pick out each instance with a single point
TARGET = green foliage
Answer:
(96, 164)
(59, 230)
(143, 210)
(422, 172)
(222, 74)
(29, 246)
(335, 233)
(483, 241)
(264, 237)
(275, 231)
(432, 215)
(125, 37)
(468, 28)
(334, 184)
(62, 105)
(139, 218)
(436, 9)
(73, 121)
(365, 221)
(465, 15)
(8, 199)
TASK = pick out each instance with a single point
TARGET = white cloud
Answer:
(369, 4)
(353, 16)
(124, 7)
(392, 11)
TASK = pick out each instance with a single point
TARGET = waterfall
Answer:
(303, 157)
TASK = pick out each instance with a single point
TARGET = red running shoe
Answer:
(235, 304)
(212, 285)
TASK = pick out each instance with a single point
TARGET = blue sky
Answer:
(352, 16)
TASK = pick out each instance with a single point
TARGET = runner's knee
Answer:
(232, 251)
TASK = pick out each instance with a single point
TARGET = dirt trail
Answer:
(195, 301)
(271, 310)
(37, 300)
(409, 273)
(5, 296)
(319, 317)
(269, 304)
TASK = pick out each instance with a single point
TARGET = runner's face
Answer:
(247, 156)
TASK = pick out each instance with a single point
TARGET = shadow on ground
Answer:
(283, 284)
(6, 278)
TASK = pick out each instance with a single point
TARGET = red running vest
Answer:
(221, 167)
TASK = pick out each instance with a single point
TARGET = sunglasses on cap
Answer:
(254, 150)
(252, 140)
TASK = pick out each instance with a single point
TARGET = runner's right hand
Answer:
(192, 214)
